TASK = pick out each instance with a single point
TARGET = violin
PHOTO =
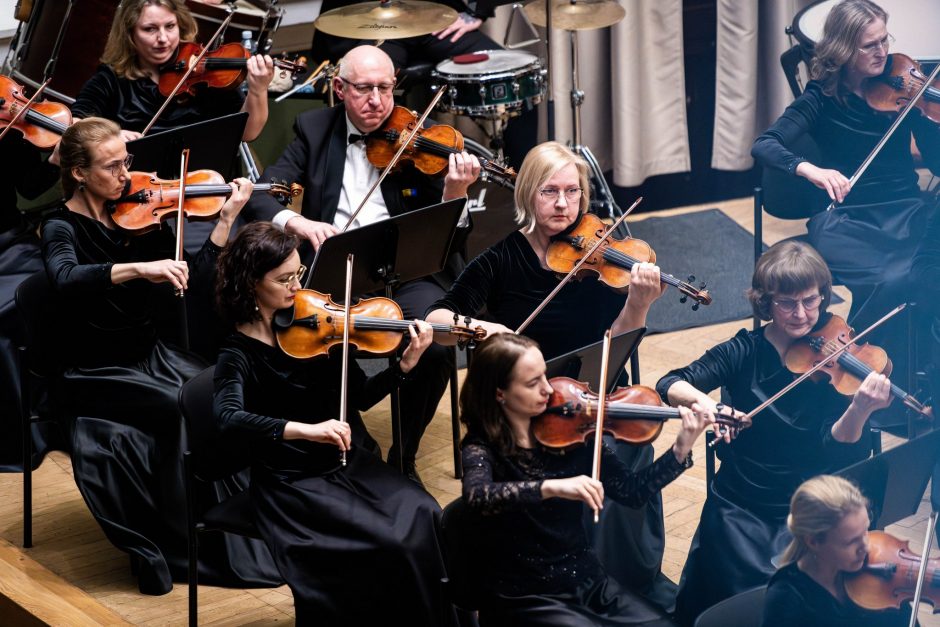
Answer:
(887, 579)
(315, 325)
(43, 122)
(428, 149)
(612, 261)
(897, 86)
(152, 200)
(634, 414)
(221, 68)
(850, 368)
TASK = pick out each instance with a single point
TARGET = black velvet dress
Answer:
(743, 523)
(26, 173)
(794, 598)
(121, 385)
(533, 562)
(868, 242)
(356, 544)
(508, 280)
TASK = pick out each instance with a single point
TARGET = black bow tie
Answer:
(355, 137)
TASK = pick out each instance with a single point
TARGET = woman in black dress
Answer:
(511, 278)
(121, 382)
(145, 35)
(808, 431)
(531, 556)
(829, 522)
(356, 543)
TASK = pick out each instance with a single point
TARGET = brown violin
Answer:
(315, 325)
(221, 68)
(846, 372)
(152, 200)
(897, 86)
(428, 149)
(887, 579)
(613, 260)
(634, 414)
(42, 124)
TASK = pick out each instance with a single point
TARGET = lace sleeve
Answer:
(484, 494)
(634, 489)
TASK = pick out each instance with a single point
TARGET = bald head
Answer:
(362, 59)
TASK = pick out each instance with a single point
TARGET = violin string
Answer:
(859, 369)
(627, 262)
(40, 119)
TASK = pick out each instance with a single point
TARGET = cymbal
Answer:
(580, 15)
(396, 19)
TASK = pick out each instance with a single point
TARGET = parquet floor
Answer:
(69, 543)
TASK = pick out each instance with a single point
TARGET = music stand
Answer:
(894, 481)
(387, 253)
(584, 364)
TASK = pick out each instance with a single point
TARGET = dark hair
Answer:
(788, 267)
(257, 249)
(491, 369)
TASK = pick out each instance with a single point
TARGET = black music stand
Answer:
(894, 481)
(584, 364)
(387, 253)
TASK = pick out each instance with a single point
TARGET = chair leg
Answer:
(455, 419)
(758, 234)
(709, 458)
(26, 423)
(193, 542)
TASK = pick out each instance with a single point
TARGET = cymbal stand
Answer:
(602, 199)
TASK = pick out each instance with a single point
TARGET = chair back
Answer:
(459, 541)
(745, 609)
(44, 324)
(791, 197)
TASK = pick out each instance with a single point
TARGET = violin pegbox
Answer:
(285, 193)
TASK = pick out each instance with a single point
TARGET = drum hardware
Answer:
(517, 8)
(387, 19)
(577, 15)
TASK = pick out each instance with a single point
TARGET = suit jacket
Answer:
(316, 159)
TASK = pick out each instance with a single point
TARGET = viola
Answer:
(634, 414)
(612, 261)
(43, 122)
(428, 149)
(897, 86)
(887, 579)
(315, 324)
(152, 200)
(850, 368)
(222, 68)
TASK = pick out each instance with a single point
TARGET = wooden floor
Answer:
(70, 544)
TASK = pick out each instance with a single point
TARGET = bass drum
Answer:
(247, 17)
(492, 207)
(913, 24)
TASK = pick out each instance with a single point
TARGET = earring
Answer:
(81, 185)
(501, 401)
(256, 306)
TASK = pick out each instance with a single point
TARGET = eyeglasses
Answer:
(872, 48)
(364, 89)
(550, 193)
(115, 167)
(789, 305)
(289, 280)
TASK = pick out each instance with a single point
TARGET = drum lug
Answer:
(482, 92)
(516, 88)
(452, 94)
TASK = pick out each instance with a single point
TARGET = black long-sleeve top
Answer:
(112, 324)
(789, 442)
(259, 389)
(528, 545)
(846, 134)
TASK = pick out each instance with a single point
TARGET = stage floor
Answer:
(70, 544)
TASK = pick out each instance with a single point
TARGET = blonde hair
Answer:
(839, 44)
(788, 267)
(539, 165)
(77, 146)
(120, 52)
(817, 507)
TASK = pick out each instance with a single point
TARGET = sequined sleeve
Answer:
(484, 493)
(634, 489)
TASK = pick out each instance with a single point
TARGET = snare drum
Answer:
(496, 87)
(913, 25)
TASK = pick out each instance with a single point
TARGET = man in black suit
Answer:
(327, 157)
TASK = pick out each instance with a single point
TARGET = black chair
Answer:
(210, 459)
(459, 585)
(745, 609)
(39, 361)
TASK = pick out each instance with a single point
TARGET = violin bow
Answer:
(189, 70)
(323, 68)
(344, 380)
(23, 109)
(922, 571)
(577, 267)
(391, 164)
(828, 358)
(894, 125)
(601, 414)
(180, 251)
